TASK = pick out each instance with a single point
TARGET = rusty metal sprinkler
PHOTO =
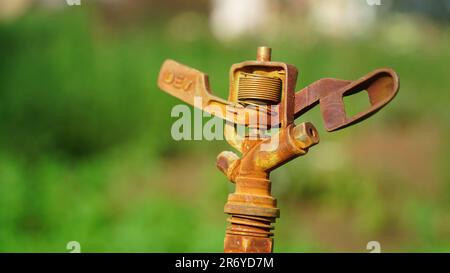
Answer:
(262, 98)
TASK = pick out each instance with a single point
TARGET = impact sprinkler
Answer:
(259, 123)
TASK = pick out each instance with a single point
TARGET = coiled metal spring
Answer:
(259, 89)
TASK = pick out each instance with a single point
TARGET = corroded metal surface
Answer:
(254, 87)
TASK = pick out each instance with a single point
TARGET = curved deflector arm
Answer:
(381, 85)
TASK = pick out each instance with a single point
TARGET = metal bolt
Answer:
(263, 54)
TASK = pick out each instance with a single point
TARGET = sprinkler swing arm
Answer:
(262, 97)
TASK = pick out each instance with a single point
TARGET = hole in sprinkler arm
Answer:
(356, 103)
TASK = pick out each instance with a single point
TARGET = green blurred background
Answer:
(85, 147)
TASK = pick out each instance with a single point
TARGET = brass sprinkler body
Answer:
(262, 99)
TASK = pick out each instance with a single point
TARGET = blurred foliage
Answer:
(86, 152)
